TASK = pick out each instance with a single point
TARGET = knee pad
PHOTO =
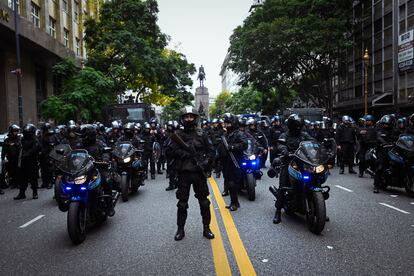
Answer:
(182, 205)
(204, 203)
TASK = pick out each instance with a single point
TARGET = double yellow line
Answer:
(221, 262)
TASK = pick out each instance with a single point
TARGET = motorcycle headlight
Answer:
(252, 157)
(127, 160)
(309, 168)
(320, 169)
(80, 180)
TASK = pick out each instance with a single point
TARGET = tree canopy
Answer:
(292, 43)
(81, 94)
(126, 44)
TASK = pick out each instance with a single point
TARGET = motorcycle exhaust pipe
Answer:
(273, 190)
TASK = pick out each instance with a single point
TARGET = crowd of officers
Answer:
(26, 152)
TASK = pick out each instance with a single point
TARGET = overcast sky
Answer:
(201, 29)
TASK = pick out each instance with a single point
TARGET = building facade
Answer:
(50, 30)
(379, 26)
(229, 79)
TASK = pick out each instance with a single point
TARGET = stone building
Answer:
(50, 30)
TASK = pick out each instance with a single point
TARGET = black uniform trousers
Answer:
(30, 174)
(46, 170)
(199, 181)
(361, 156)
(284, 182)
(347, 155)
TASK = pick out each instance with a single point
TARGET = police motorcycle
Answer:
(129, 169)
(308, 170)
(58, 155)
(400, 172)
(250, 169)
(84, 197)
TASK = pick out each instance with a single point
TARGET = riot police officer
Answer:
(29, 162)
(95, 149)
(237, 143)
(171, 171)
(260, 137)
(275, 131)
(293, 137)
(191, 170)
(72, 139)
(129, 135)
(48, 141)
(384, 137)
(114, 133)
(217, 131)
(367, 136)
(149, 140)
(11, 151)
(346, 138)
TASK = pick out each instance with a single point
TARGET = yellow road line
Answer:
(240, 253)
(221, 263)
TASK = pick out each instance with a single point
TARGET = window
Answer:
(35, 15)
(75, 11)
(77, 47)
(11, 5)
(52, 27)
(66, 37)
(388, 20)
(65, 5)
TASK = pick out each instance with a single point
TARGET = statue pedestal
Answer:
(202, 101)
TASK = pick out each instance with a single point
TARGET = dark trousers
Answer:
(185, 179)
(13, 172)
(263, 160)
(46, 170)
(361, 156)
(381, 164)
(283, 183)
(148, 160)
(347, 155)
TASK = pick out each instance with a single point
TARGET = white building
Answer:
(229, 79)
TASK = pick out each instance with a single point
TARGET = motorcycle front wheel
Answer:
(124, 187)
(251, 186)
(316, 216)
(77, 222)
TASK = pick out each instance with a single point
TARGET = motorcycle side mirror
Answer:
(282, 141)
(107, 149)
(60, 151)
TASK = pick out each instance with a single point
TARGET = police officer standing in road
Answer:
(11, 151)
(237, 143)
(346, 139)
(192, 166)
(29, 162)
(367, 136)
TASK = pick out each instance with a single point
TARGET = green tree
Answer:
(126, 44)
(245, 100)
(173, 110)
(82, 95)
(219, 107)
(292, 43)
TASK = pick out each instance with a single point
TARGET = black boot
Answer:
(225, 193)
(35, 196)
(180, 233)
(160, 172)
(361, 174)
(111, 210)
(351, 170)
(1, 192)
(341, 171)
(217, 175)
(207, 232)
(169, 188)
(376, 191)
(278, 217)
(152, 176)
(21, 195)
(233, 206)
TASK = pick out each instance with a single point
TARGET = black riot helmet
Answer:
(386, 122)
(47, 129)
(14, 129)
(189, 110)
(29, 131)
(129, 129)
(231, 122)
(294, 124)
(88, 134)
(170, 126)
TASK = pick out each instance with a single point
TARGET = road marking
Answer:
(221, 262)
(239, 251)
(395, 208)
(30, 222)
(343, 188)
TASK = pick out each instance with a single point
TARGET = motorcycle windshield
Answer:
(312, 153)
(406, 142)
(251, 147)
(123, 150)
(60, 152)
(77, 162)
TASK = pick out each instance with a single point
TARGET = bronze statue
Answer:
(201, 75)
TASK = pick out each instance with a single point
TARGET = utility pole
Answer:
(18, 70)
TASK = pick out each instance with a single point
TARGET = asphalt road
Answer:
(368, 234)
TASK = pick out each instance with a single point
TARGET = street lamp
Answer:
(18, 70)
(366, 63)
